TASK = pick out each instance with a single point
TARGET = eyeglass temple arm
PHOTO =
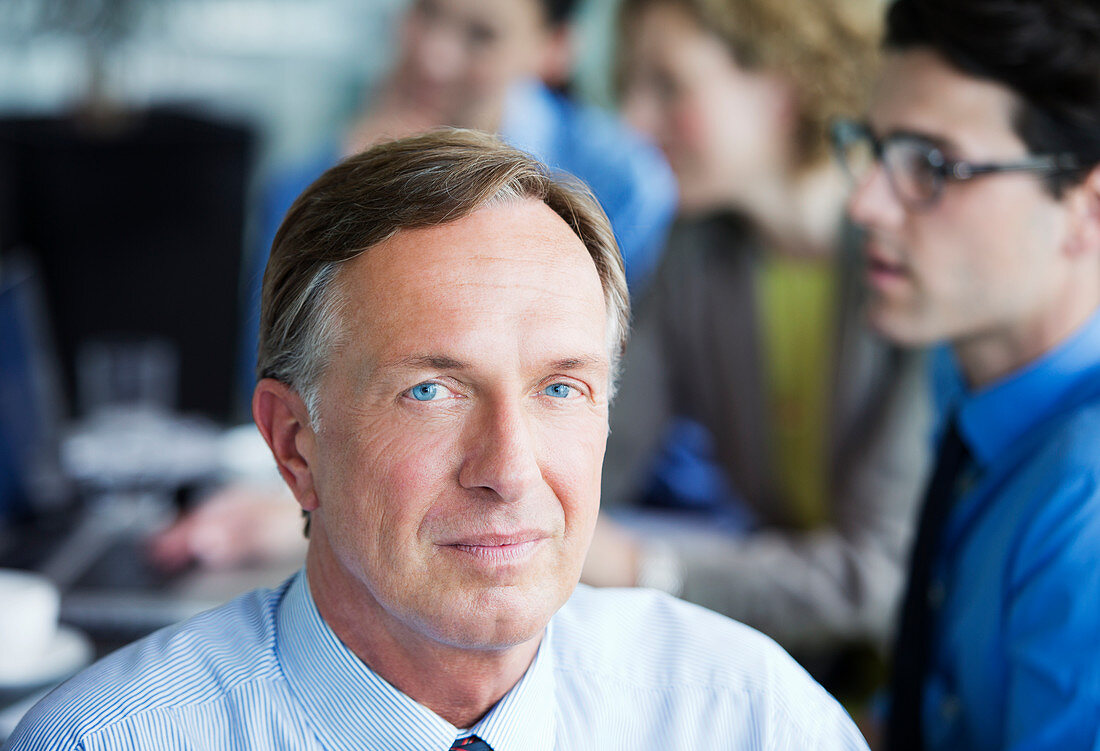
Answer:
(1046, 163)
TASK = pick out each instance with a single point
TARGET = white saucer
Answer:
(69, 651)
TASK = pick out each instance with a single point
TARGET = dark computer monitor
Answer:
(137, 223)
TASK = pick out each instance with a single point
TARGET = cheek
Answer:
(572, 464)
(481, 80)
(490, 73)
(975, 243)
(690, 130)
(398, 463)
(720, 138)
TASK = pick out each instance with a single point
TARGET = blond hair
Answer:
(827, 49)
(415, 182)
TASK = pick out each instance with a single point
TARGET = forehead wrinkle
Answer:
(383, 273)
(449, 356)
(539, 247)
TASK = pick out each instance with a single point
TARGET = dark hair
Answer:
(1047, 52)
(558, 12)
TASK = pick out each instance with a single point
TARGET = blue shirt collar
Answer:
(992, 418)
(351, 706)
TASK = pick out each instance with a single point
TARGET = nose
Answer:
(435, 52)
(642, 112)
(501, 454)
(873, 202)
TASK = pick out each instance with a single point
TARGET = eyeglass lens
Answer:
(908, 163)
(910, 169)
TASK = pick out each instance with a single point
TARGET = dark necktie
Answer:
(913, 649)
(471, 743)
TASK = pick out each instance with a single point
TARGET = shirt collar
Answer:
(351, 706)
(992, 418)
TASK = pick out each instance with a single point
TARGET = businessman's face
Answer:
(462, 423)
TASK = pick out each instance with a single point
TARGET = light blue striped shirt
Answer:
(616, 669)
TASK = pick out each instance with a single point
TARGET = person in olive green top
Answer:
(804, 436)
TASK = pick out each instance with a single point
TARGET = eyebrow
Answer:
(940, 142)
(431, 361)
(577, 363)
(445, 362)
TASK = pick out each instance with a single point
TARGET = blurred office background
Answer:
(136, 141)
(195, 104)
(294, 70)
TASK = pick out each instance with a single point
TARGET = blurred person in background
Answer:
(978, 184)
(768, 447)
(479, 64)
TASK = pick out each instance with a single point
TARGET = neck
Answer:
(394, 115)
(800, 212)
(988, 357)
(459, 684)
(488, 117)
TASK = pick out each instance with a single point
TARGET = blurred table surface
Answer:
(110, 591)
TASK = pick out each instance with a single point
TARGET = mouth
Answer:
(882, 269)
(499, 554)
(498, 548)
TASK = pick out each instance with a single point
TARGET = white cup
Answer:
(29, 607)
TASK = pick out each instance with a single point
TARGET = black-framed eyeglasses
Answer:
(917, 169)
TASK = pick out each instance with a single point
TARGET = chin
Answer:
(695, 207)
(901, 329)
(499, 617)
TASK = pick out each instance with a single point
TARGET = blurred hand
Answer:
(238, 525)
(613, 558)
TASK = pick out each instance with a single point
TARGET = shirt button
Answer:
(937, 593)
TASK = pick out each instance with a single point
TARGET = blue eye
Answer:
(425, 392)
(559, 390)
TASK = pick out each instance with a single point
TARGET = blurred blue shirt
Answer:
(627, 174)
(625, 669)
(1016, 583)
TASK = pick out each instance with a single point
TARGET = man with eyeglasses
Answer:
(979, 189)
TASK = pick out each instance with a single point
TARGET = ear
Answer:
(556, 64)
(284, 422)
(1083, 203)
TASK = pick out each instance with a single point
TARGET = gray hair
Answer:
(410, 183)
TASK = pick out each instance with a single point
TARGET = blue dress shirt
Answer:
(1015, 586)
(625, 669)
(627, 174)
